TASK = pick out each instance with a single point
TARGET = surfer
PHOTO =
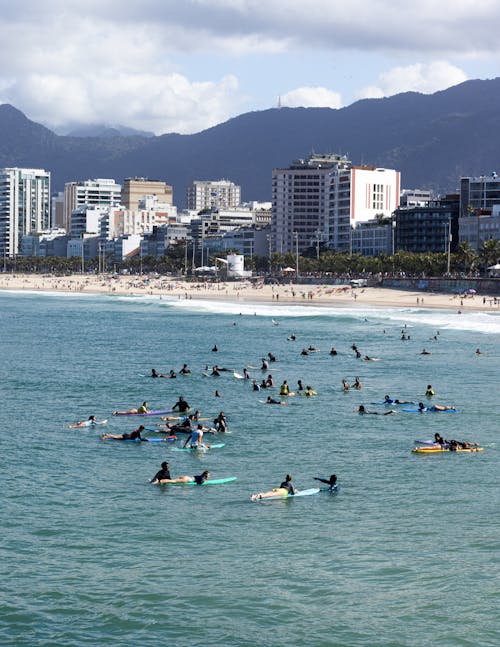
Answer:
(284, 390)
(255, 385)
(300, 387)
(270, 381)
(285, 488)
(215, 371)
(292, 337)
(345, 385)
(434, 407)
(215, 349)
(429, 391)
(271, 400)
(309, 391)
(425, 352)
(478, 352)
(333, 351)
(196, 439)
(272, 358)
(363, 411)
(220, 423)
(265, 364)
(331, 482)
(135, 435)
(154, 373)
(199, 479)
(304, 352)
(246, 374)
(162, 474)
(357, 384)
(91, 420)
(217, 394)
(181, 405)
(172, 374)
(185, 370)
(142, 409)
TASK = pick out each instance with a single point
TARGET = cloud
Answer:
(308, 97)
(152, 102)
(425, 78)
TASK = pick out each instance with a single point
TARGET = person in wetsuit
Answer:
(181, 405)
(134, 435)
(286, 488)
(331, 482)
(164, 473)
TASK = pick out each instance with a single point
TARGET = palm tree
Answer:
(465, 257)
(489, 252)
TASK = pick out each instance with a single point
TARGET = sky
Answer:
(186, 65)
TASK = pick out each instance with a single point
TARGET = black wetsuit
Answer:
(182, 405)
(162, 474)
(200, 479)
(286, 485)
(135, 435)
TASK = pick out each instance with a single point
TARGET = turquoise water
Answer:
(406, 554)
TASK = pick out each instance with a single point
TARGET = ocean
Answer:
(407, 553)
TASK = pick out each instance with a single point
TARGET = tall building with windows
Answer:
(478, 195)
(136, 188)
(222, 194)
(320, 199)
(24, 206)
(93, 193)
(302, 202)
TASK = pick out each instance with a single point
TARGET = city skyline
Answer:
(183, 67)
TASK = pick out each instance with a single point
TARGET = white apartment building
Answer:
(24, 206)
(98, 192)
(127, 222)
(322, 198)
(221, 194)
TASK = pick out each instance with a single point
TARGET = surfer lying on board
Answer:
(363, 411)
(285, 488)
(199, 479)
(91, 420)
(331, 482)
(434, 407)
(135, 435)
(453, 445)
(154, 373)
(142, 409)
(271, 400)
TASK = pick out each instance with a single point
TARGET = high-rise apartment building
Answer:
(301, 196)
(24, 206)
(136, 188)
(478, 195)
(222, 194)
(321, 198)
(93, 193)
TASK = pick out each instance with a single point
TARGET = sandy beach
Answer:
(247, 292)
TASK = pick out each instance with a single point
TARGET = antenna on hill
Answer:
(279, 102)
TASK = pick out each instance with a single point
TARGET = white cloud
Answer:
(425, 78)
(308, 97)
(151, 102)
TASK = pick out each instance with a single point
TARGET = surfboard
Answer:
(441, 450)
(290, 496)
(137, 440)
(198, 449)
(238, 376)
(228, 479)
(149, 413)
(429, 410)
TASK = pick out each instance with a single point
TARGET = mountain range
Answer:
(433, 139)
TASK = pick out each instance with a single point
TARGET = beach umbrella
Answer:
(471, 291)
(494, 267)
(289, 269)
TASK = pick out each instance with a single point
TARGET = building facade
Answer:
(428, 229)
(221, 194)
(302, 202)
(94, 193)
(319, 199)
(24, 206)
(136, 188)
(478, 195)
(476, 230)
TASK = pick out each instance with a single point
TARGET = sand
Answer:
(248, 292)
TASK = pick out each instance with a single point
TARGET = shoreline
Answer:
(247, 293)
